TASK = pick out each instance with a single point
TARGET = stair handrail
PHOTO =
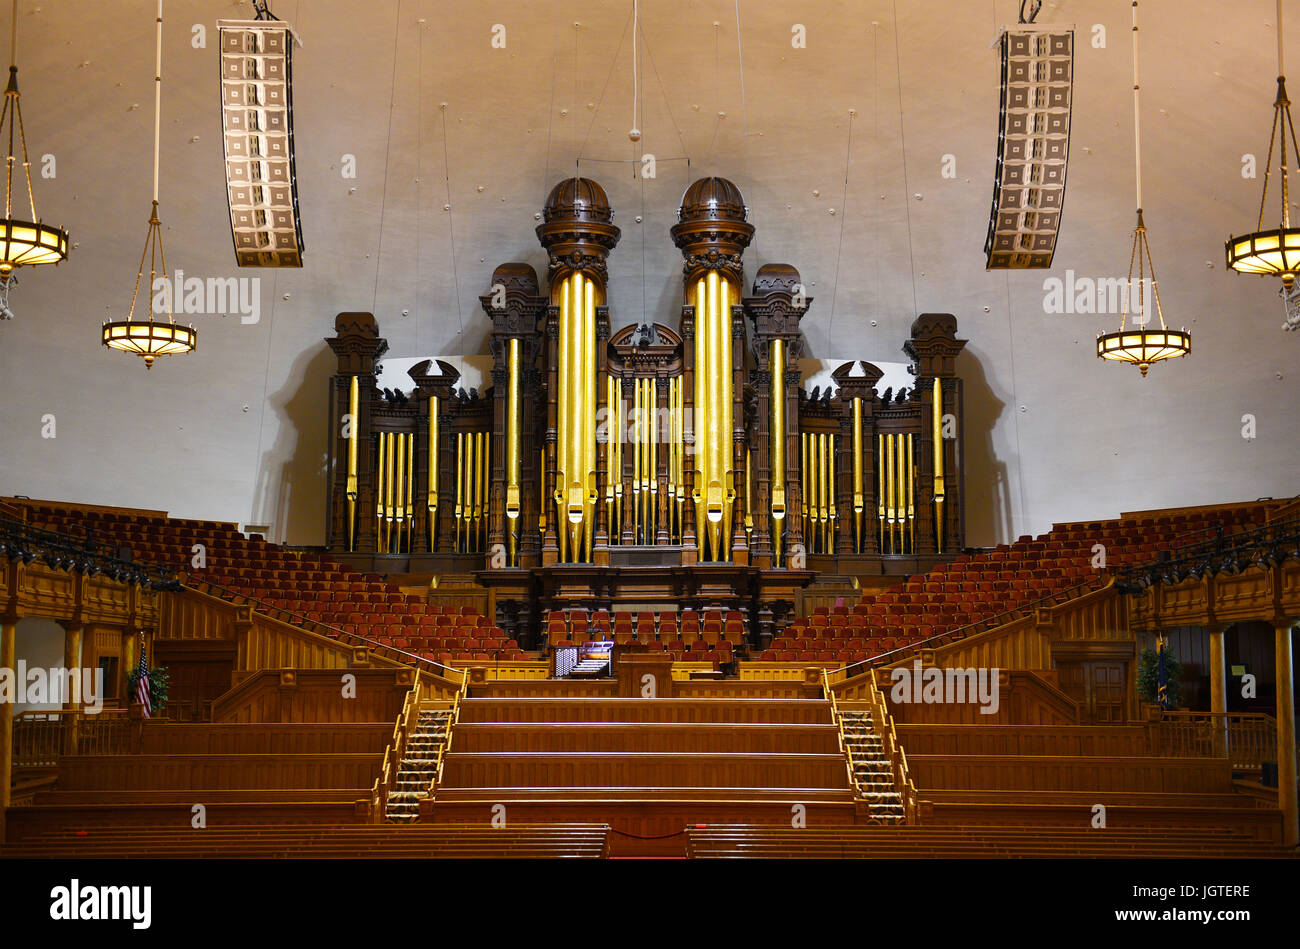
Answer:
(452, 720)
(897, 756)
(845, 749)
(394, 753)
(392, 653)
(1059, 598)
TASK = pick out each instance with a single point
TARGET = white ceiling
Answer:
(236, 430)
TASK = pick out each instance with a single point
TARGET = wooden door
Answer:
(1098, 687)
(1106, 681)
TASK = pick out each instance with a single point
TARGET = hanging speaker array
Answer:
(257, 117)
(1033, 147)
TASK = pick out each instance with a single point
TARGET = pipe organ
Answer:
(597, 466)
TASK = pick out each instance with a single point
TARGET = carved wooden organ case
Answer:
(698, 440)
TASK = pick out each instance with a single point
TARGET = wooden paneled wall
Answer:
(314, 695)
(1025, 697)
(1060, 740)
(1052, 773)
(647, 737)
(178, 772)
(774, 711)
(614, 770)
(160, 738)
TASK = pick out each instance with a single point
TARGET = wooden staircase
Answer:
(647, 767)
(418, 769)
(872, 772)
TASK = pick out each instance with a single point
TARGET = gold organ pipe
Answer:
(431, 501)
(823, 459)
(890, 474)
(381, 508)
(468, 504)
(880, 487)
(900, 478)
(716, 487)
(563, 423)
(777, 413)
(459, 510)
(937, 424)
(652, 439)
(410, 487)
(617, 472)
(911, 497)
(513, 436)
(859, 500)
(805, 484)
(399, 482)
(671, 468)
(354, 434)
(541, 508)
(831, 513)
(481, 488)
(749, 494)
(635, 427)
(573, 476)
(611, 455)
(389, 465)
(588, 427)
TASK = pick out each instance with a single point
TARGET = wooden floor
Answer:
(902, 843)
(380, 841)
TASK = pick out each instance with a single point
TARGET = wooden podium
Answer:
(633, 663)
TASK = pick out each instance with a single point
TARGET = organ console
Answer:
(688, 464)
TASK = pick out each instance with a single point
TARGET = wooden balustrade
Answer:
(1246, 739)
(41, 739)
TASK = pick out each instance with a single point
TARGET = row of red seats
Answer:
(314, 588)
(976, 588)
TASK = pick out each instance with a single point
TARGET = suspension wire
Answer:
(451, 230)
(603, 89)
(839, 249)
(388, 146)
(1033, 12)
(744, 107)
(902, 140)
(550, 112)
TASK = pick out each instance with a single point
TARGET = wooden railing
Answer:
(845, 749)
(446, 744)
(42, 738)
(897, 757)
(1023, 612)
(1247, 739)
(394, 753)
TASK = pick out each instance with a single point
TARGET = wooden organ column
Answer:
(712, 233)
(578, 234)
(934, 347)
(774, 310)
(514, 305)
(350, 521)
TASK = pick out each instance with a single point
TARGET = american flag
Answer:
(143, 687)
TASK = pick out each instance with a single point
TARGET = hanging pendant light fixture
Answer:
(1274, 252)
(1141, 346)
(149, 338)
(23, 243)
